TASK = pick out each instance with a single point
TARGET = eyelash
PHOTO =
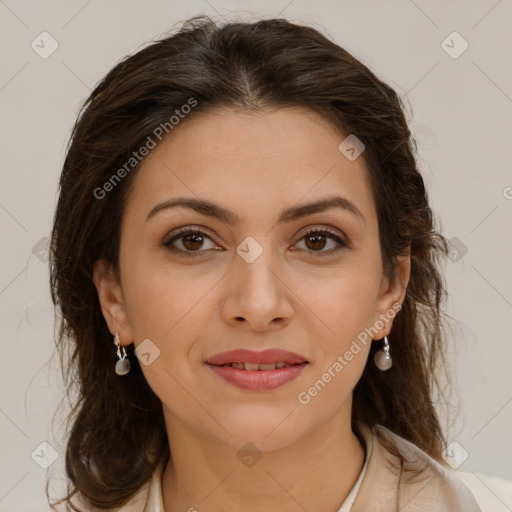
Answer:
(188, 231)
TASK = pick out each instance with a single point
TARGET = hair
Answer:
(117, 434)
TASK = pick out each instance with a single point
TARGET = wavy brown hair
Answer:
(116, 428)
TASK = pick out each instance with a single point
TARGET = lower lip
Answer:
(258, 380)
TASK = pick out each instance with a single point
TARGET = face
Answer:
(263, 273)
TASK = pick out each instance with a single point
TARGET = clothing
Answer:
(379, 487)
(368, 448)
(421, 484)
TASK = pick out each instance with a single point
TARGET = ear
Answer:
(111, 300)
(392, 293)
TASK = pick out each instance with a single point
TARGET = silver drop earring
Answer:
(382, 358)
(123, 365)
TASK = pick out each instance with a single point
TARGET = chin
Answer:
(267, 430)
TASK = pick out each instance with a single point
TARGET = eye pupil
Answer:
(317, 239)
(193, 239)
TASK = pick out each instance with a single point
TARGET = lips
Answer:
(257, 371)
(263, 359)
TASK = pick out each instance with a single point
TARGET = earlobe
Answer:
(110, 297)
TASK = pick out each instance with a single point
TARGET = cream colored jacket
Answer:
(380, 488)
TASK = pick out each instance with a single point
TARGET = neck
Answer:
(205, 475)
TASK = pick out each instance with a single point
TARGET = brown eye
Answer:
(317, 240)
(192, 241)
(189, 241)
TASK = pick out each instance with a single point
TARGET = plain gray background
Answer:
(461, 105)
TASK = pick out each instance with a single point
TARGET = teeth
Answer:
(255, 366)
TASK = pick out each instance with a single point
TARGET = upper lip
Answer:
(268, 356)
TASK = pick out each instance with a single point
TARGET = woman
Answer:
(247, 269)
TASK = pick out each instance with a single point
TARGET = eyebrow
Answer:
(210, 209)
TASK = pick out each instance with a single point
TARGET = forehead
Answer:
(259, 160)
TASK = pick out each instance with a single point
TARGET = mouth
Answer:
(256, 366)
(268, 359)
(258, 371)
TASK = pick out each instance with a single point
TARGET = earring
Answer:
(123, 365)
(382, 358)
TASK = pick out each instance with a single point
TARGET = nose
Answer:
(258, 297)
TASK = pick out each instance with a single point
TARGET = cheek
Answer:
(342, 301)
(160, 306)
(346, 307)
(168, 305)
(346, 304)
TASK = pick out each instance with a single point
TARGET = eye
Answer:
(190, 240)
(316, 240)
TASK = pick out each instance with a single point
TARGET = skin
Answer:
(291, 297)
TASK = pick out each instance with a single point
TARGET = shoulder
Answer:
(415, 484)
